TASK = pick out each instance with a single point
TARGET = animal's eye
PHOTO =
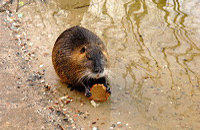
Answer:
(82, 50)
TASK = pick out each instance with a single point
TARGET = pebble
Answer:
(113, 125)
(64, 109)
(20, 15)
(66, 119)
(165, 66)
(64, 98)
(118, 123)
(94, 122)
(94, 104)
(42, 81)
(95, 128)
(30, 44)
(50, 35)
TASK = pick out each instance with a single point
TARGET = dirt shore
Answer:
(14, 106)
(18, 109)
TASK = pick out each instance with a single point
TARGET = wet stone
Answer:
(66, 119)
(113, 125)
(47, 87)
(95, 128)
(80, 113)
(58, 112)
(34, 77)
(94, 122)
(60, 127)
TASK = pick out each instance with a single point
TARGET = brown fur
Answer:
(70, 61)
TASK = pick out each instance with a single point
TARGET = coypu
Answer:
(79, 58)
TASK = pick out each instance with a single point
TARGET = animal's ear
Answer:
(83, 49)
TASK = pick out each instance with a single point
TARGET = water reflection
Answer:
(148, 53)
(154, 52)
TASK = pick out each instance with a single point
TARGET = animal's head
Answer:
(92, 60)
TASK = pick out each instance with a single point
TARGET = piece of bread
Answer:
(99, 93)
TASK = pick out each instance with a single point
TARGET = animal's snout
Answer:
(98, 69)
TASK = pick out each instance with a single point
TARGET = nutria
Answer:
(79, 58)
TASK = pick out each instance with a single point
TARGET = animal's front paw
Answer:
(88, 94)
(108, 90)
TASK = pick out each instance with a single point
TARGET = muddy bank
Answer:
(18, 108)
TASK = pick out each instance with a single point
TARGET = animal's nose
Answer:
(98, 70)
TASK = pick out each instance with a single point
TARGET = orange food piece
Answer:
(99, 93)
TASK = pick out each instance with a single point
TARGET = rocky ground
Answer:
(19, 105)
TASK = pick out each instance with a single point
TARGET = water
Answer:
(154, 58)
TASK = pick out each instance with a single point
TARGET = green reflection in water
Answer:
(183, 35)
(105, 12)
(180, 34)
(135, 11)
